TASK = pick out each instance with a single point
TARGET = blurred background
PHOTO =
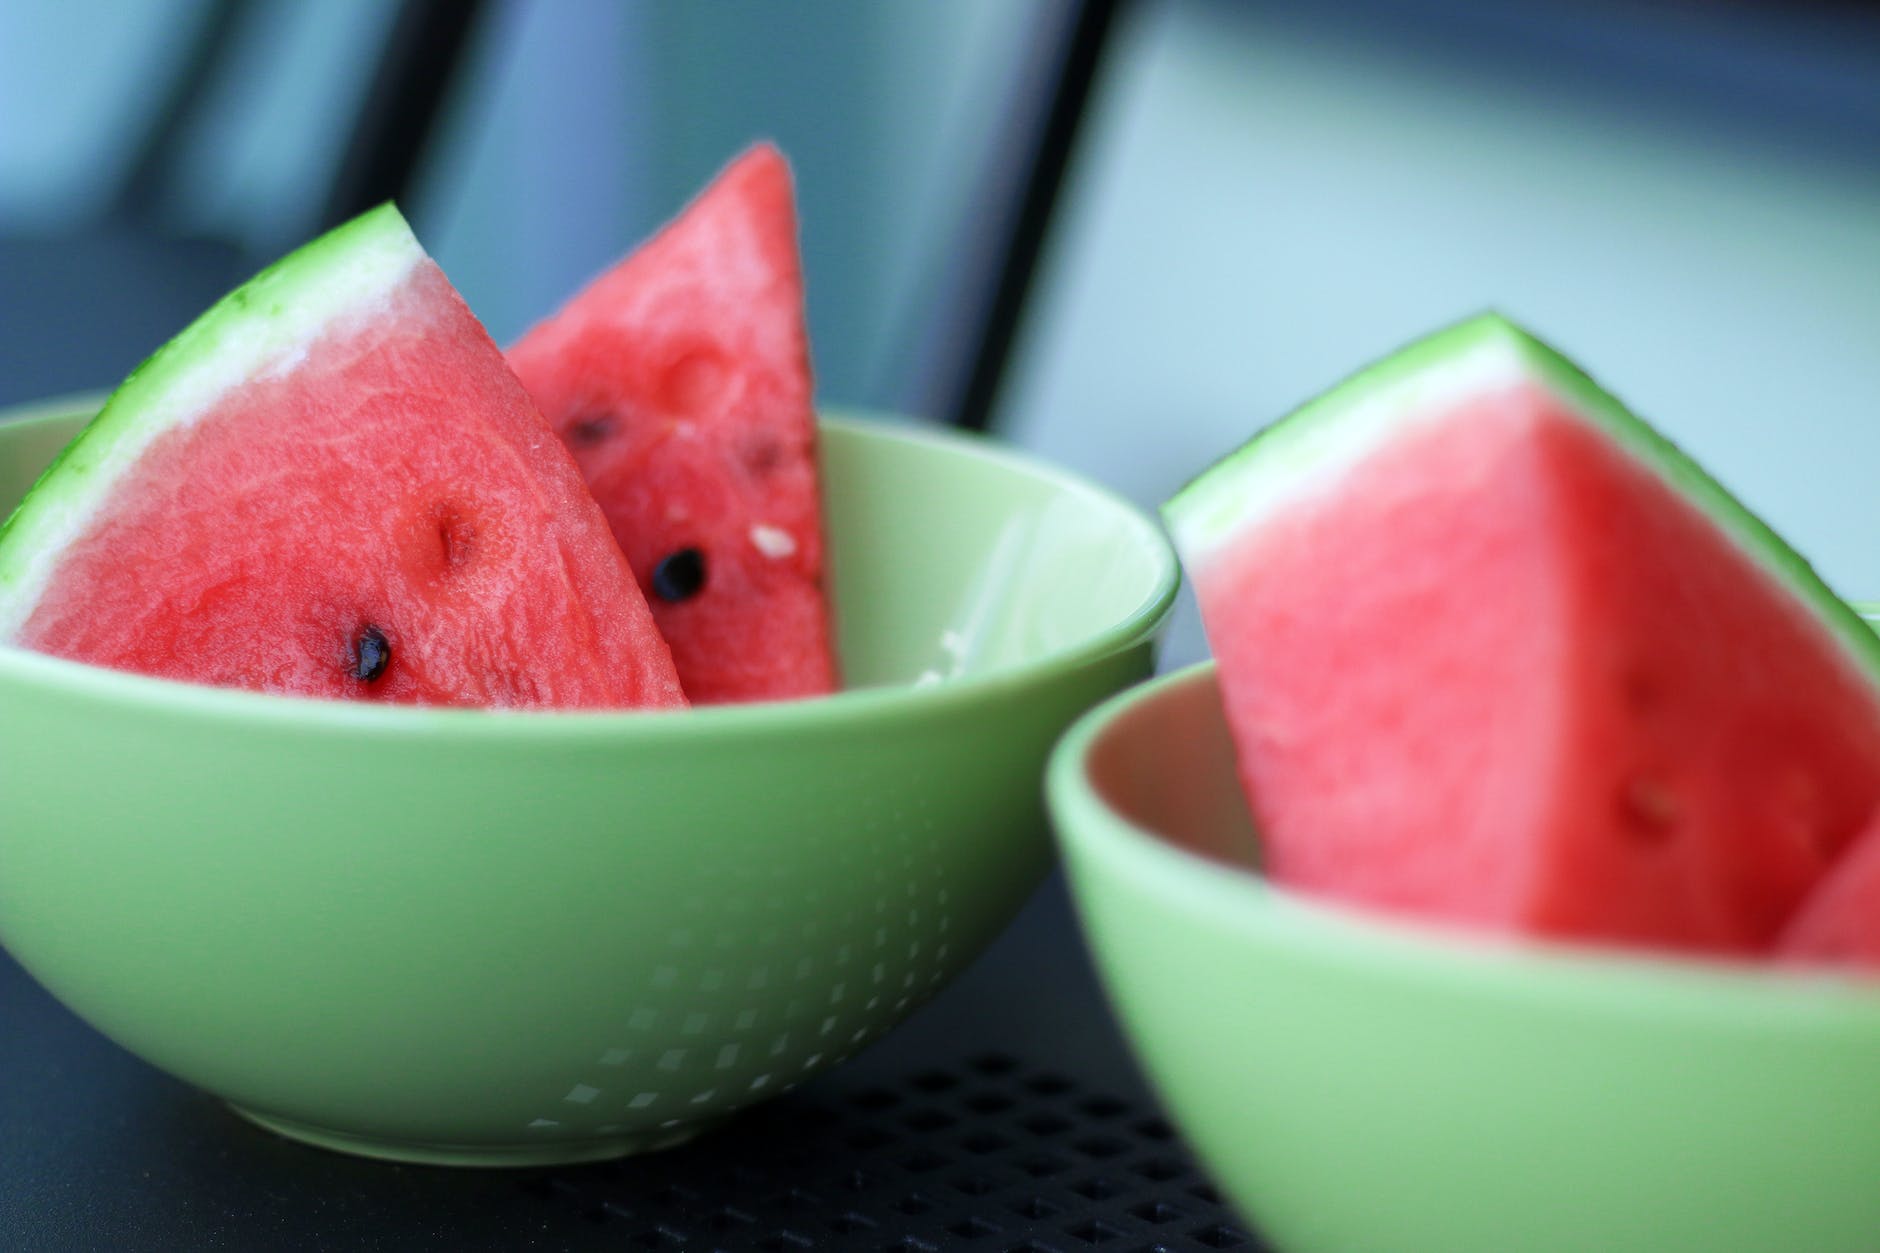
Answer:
(1256, 197)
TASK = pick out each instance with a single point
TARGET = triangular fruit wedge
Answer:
(680, 379)
(332, 485)
(1494, 652)
(1839, 924)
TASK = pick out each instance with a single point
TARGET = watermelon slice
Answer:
(681, 381)
(1494, 652)
(1839, 924)
(331, 485)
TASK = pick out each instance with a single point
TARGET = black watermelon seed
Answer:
(586, 432)
(371, 654)
(680, 575)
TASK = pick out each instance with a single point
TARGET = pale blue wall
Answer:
(582, 126)
(1272, 200)
(76, 80)
(66, 78)
(1273, 194)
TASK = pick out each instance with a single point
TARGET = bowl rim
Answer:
(1238, 900)
(185, 699)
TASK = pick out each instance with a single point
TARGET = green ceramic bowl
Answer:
(1358, 1086)
(461, 936)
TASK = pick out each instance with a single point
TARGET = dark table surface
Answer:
(1005, 1115)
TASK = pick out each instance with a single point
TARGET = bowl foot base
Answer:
(538, 1153)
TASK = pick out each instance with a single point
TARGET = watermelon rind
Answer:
(260, 328)
(1308, 451)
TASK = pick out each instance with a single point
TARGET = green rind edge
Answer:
(1750, 533)
(277, 295)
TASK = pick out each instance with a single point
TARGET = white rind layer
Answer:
(262, 328)
(1299, 459)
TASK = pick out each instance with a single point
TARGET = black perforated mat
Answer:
(989, 1155)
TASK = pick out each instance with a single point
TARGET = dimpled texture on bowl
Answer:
(462, 936)
(1356, 1084)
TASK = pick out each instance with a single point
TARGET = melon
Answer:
(680, 379)
(1495, 653)
(332, 485)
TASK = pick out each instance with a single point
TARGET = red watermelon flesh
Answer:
(680, 379)
(374, 512)
(1839, 924)
(1497, 671)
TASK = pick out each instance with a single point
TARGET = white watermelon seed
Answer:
(772, 541)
